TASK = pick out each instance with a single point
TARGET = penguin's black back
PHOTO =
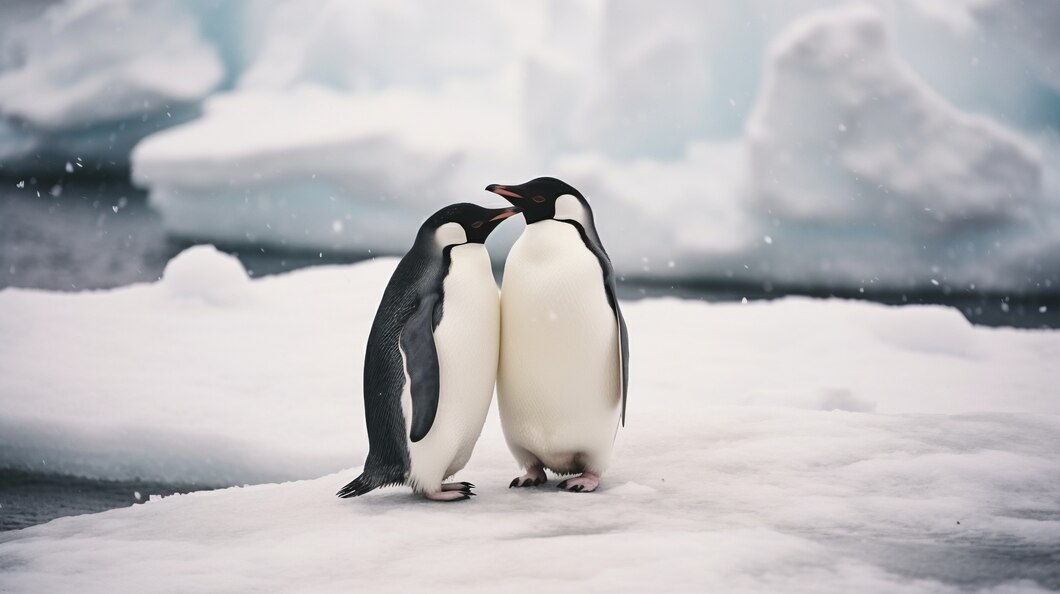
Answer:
(420, 273)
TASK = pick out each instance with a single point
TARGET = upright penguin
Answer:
(564, 363)
(431, 361)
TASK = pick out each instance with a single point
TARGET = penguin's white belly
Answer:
(467, 340)
(558, 383)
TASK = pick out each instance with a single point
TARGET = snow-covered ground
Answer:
(702, 498)
(794, 445)
(208, 377)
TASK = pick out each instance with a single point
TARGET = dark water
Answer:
(29, 498)
(974, 564)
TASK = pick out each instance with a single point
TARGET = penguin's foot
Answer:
(535, 475)
(450, 495)
(586, 483)
(464, 486)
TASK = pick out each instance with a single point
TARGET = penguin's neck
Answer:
(470, 261)
(550, 239)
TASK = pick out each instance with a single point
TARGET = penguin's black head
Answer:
(538, 199)
(464, 223)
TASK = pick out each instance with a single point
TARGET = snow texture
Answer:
(206, 377)
(716, 498)
(762, 452)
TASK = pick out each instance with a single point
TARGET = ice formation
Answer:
(93, 77)
(330, 125)
(861, 167)
(283, 167)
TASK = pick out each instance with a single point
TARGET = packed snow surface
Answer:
(702, 497)
(208, 377)
(795, 445)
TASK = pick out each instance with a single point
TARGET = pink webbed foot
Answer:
(535, 475)
(452, 492)
(585, 483)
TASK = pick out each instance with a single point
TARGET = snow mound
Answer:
(725, 499)
(156, 386)
(203, 272)
(263, 383)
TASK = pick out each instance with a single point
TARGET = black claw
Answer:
(539, 481)
(577, 488)
(468, 485)
(514, 483)
(562, 485)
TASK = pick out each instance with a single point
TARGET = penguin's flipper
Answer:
(421, 363)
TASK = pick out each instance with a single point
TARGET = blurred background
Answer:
(900, 151)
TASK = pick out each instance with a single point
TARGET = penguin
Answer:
(564, 363)
(431, 361)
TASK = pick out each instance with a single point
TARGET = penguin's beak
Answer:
(505, 213)
(502, 191)
(484, 228)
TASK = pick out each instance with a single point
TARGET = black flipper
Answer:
(421, 356)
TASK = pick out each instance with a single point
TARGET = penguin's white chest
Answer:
(467, 341)
(558, 384)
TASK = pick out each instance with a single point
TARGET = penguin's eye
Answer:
(476, 224)
(538, 199)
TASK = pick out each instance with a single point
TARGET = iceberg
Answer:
(335, 126)
(317, 169)
(871, 175)
(94, 77)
